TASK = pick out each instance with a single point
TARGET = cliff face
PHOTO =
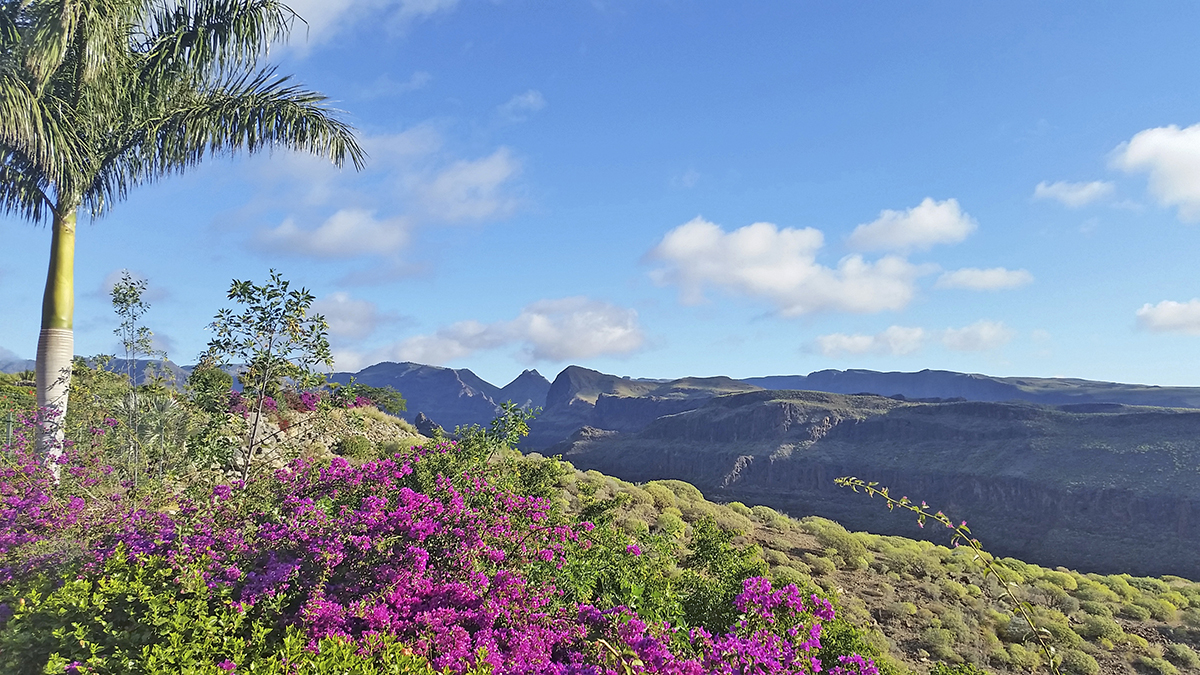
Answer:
(1107, 491)
(579, 397)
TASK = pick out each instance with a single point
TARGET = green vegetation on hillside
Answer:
(580, 543)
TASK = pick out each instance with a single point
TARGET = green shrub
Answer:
(848, 547)
(1179, 600)
(1155, 666)
(1119, 585)
(700, 510)
(1097, 627)
(819, 565)
(1096, 608)
(1023, 658)
(671, 524)
(1061, 633)
(1135, 642)
(1135, 612)
(1091, 591)
(16, 399)
(1160, 610)
(1149, 585)
(681, 490)
(782, 523)
(356, 447)
(1191, 616)
(774, 557)
(764, 514)
(1182, 655)
(1075, 662)
(729, 520)
(638, 495)
(953, 589)
(1061, 579)
(739, 508)
(784, 575)
(635, 526)
(145, 616)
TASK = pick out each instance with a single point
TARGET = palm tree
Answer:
(99, 96)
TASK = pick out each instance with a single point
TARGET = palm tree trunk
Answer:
(56, 342)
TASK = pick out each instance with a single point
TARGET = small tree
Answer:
(137, 340)
(274, 339)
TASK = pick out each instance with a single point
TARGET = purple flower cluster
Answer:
(779, 633)
(460, 571)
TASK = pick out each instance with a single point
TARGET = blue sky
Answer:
(670, 188)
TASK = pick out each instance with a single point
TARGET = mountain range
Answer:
(581, 397)
(1099, 476)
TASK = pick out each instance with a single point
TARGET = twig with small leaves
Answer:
(962, 536)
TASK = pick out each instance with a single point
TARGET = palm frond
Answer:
(199, 36)
(10, 35)
(23, 189)
(42, 129)
(243, 114)
(93, 35)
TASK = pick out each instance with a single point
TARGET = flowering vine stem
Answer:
(962, 535)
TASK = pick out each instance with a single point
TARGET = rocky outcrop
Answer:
(426, 426)
(632, 413)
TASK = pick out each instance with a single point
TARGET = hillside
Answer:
(1106, 489)
(923, 602)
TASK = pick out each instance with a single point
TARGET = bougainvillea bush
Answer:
(449, 557)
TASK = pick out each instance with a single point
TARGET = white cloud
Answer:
(577, 328)
(347, 233)
(326, 18)
(895, 341)
(991, 279)
(1073, 195)
(521, 106)
(917, 228)
(548, 330)
(411, 182)
(470, 190)
(347, 317)
(1172, 158)
(1169, 316)
(764, 261)
(977, 337)
(152, 293)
